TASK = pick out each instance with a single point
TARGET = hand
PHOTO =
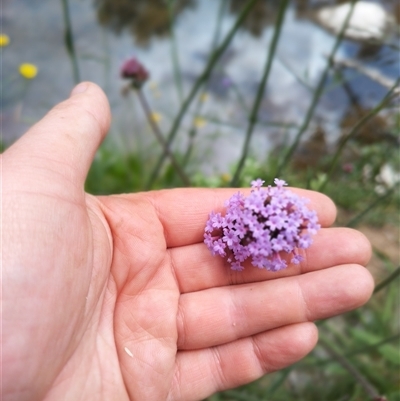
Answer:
(117, 298)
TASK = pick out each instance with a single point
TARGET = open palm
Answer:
(117, 298)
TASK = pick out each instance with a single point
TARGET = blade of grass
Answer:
(69, 41)
(354, 130)
(260, 91)
(317, 94)
(197, 85)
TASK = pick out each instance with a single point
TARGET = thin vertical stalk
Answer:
(69, 41)
(160, 138)
(278, 382)
(365, 384)
(174, 51)
(317, 94)
(260, 91)
(355, 129)
(197, 85)
(387, 280)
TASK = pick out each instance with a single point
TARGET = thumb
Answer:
(61, 146)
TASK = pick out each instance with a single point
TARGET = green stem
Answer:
(69, 41)
(260, 92)
(278, 382)
(365, 384)
(363, 350)
(387, 280)
(199, 82)
(354, 131)
(355, 220)
(317, 94)
(160, 138)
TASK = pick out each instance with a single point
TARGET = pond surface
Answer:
(220, 114)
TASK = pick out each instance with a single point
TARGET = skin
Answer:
(117, 298)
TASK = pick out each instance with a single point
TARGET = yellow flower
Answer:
(153, 85)
(154, 88)
(156, 117)
(226, 177)
(4, 40)
(199, 122)
(203, 97)
(28, 71)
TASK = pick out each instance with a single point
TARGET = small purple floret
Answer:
(262, 227)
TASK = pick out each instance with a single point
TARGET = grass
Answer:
(358, 356)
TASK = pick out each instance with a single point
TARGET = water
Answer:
(36, 30)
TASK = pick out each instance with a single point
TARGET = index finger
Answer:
(183, 212)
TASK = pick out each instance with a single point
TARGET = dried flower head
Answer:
(132, 69)
(261, 226)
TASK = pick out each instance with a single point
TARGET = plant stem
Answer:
(160, 137)
(69, 41)
(372, 347)
(387, 280)
(278, 382)
(260, 91)
(199, 82)
(365, 384)
(317, 94)
(354, 221)
(354, 131)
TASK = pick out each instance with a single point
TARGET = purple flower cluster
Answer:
(261, 226)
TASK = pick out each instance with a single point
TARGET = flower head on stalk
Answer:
(261, 227)
(133, 70)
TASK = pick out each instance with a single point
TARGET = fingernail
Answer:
(79, 88)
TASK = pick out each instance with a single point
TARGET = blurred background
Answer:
(304, 90)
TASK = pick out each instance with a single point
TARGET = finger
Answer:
(65, 140)
(200, 373)
(184, 212)
(196, 269)
(220, 315)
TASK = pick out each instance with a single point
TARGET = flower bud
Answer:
(132, 69)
